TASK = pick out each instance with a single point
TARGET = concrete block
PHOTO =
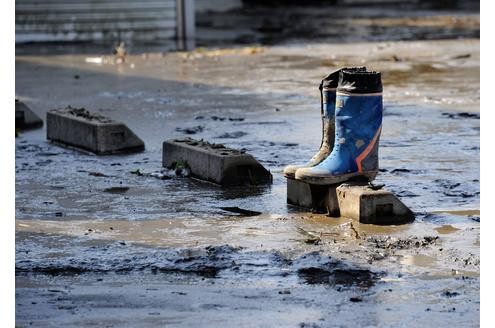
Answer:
(317, 198)
(80, 129)
(25, 118)
(356, 200)
(215, 162)
(367, 205)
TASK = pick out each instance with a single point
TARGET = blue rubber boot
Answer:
(358, 124)
(328, 87)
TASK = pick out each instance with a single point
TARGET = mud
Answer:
(84, 113)
(118, 241)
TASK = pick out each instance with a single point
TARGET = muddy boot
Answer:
(327, 89)
(358, 123)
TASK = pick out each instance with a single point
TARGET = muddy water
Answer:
(93, 237)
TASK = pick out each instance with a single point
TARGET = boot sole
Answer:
(322, 180)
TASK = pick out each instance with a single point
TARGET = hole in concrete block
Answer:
(384, 209)
(118, 136)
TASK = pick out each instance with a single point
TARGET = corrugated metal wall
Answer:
(90, 20)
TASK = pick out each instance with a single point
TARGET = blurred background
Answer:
(184, 24)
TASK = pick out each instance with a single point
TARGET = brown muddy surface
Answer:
(118, 241)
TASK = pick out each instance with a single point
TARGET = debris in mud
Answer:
(137, 172)
(377, 256)
(373, 186)
(120, 53)
(240, 211)
(181, 168)
(462, 115)
(98, 174)
(221, 118)
(387, 242)
(310, 237)
(191, 130)
(116, 190)
(450, 294)
(355, 232)
(84, 113)
(475, 218)
(162, 175)
(232, 135)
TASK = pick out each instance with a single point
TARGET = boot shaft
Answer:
(358, 118)
(328, 88)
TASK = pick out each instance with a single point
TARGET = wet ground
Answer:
(117, 241)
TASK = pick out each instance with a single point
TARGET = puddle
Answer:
(446, 229)
(459, 212)
(419, 260)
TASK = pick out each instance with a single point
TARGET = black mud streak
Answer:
(232, 135)
(462, 115)
(210, 262)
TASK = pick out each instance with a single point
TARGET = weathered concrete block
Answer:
(372, 206)
(215, 163)
(318, 198)
(25, 118)
(354, 200)
(76, 127)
